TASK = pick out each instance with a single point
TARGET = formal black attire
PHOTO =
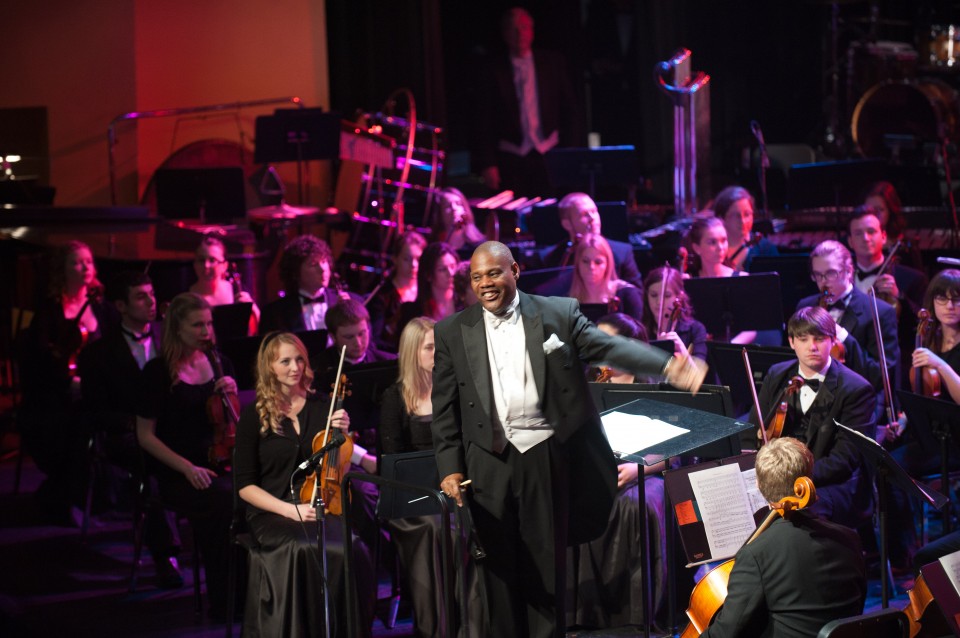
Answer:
(499, 113)
(794, 578)
(110, 380)
(417, 538)
(180, 412)
(844, 483)
(555, 256)
(528, 506)
(692, 333)
(285, 596)
(286, 313)
(385, 324)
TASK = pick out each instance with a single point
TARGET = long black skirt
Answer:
(285, 590)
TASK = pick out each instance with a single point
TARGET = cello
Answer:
(709, 594)
(323, 485)
(925, 380)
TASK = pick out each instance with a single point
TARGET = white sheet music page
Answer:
(631, 433)
(951, 565)
(757, 502)
(724, 508)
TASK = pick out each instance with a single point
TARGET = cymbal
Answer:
(281, 211)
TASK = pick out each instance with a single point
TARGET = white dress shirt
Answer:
(313, 313)
(807, 395)
(143, 350)
(525, 85)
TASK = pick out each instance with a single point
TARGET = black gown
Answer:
(285, 592)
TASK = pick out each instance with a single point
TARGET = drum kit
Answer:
(900, 98)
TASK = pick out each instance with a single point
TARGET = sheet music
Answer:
(754, 497)
(724, 507)
(631, 433)
(951, 565)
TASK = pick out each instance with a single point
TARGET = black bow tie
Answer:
(813, 384)
(305, 300)
(134, 335)
(863, 274)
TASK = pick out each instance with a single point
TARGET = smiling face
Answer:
(813, 351)
(867, 238)
(712, 247)
(289, 365)
(493, 279)
(79, 269)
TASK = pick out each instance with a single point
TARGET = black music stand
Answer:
(533, 280)
(297, 135)
(889, 470)
(703, 428)
(232, 321)
(794, 271)
(726, 360)
(570, 169)
(728, 305)
(825, 184)
(932, 421)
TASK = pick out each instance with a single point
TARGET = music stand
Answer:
(414, 468)
(794, 271)
(297, 135)
(825, 184)
(543, 222)
(726, 360)
(932, 421)
(534, 280)
(889, 470)
(701, 429)
(570, 169)
(729, 305)
(232, 321)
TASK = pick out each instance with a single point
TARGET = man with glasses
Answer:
(831, 268)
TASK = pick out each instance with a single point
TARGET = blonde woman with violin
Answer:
(798, 574)
(185, 436)
(667, 298)
(274, 437)
(215, 281)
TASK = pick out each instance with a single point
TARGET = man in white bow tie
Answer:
(511, 412)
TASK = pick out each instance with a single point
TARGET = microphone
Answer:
(757, 133)
(950, 261)
(311, 463)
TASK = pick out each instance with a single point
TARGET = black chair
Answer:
(240, 539)
(889, 623)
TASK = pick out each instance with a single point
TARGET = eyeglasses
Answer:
(830, 276)
(210, 260)
(943, 300)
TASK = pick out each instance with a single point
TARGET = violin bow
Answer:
(663, 288)
(884, 373)
(753, 394)
(336, 389)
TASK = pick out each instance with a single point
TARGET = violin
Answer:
(223, 412)
(925, 380)
(604, 375)
(775, 428)
(709, 594)
(323, 485)
(233, 276)
(675, 313)
(838, 352)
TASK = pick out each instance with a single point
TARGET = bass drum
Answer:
(918, 112)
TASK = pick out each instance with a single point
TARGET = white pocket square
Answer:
(551, 344)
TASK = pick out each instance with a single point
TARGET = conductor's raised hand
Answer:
(686, 372)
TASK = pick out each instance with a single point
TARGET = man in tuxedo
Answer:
(579, 216)
(511, 413)
(527, 106)
(109, 377)
(306, 269)
(801, 572)
(831, 267)
(830, 392)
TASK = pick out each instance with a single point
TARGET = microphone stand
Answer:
(320, 507)
(764, 165)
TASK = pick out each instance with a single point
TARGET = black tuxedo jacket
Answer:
(110, 380)
(463, 402)
(858, 321)
(622, 257)
(794, 578)
(286, 313)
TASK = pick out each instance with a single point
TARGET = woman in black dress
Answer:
(384, 304)
(595, 279)
(688, 335)
(285, 597)
(173, 427)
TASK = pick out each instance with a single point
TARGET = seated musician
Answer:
(595, 279)
(435, 292)
(175, 429)
(677, 322)
(941, 347)
(734, 205)
(831, 268)
(800, 573)
(213, 282)
(273, 437)
(579, 217)
(455, 225)
(385, 303)
(109, 383)
(883, 196)
(461, 286)
(830, 392)
(70, 316)
(899, 285)
(405, 419)
(306, 270)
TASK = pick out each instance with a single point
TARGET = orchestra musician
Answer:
(174, 427)
(831, 268)
(215, 283)
(595, 279)
(883, 197)
(110, 371)
(385, 303)
(306, 270)
(941, 350)
(435, 292)
(70, 316)
(509, 414)
(798, 574)
(735, 206)
(677, 322)
(274, 436)
(830, 392)
(455, 225)
(618, 323)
